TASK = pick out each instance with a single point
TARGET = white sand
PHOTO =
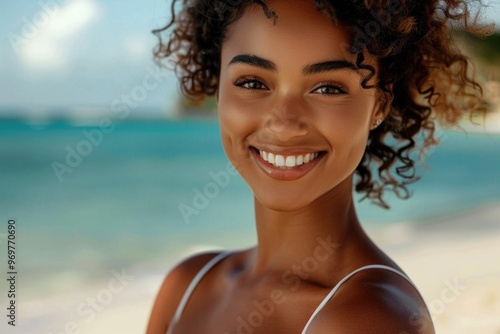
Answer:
(461, 251)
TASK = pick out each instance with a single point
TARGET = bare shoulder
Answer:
(374, 301)
(172, 289)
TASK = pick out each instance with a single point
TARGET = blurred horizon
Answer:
(85, 58)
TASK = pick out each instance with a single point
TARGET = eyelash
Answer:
(339, 88)
(244, 81)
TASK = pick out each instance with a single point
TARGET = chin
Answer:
(282, 203)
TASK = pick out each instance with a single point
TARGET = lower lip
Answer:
(288, 174)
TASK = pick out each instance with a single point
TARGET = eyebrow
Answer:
(327, 66)
(254, 61)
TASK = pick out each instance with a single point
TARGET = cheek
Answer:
(347, 126)
(236, 123)
(350, 119)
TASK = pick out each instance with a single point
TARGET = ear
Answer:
(381, 110)
(377, 119)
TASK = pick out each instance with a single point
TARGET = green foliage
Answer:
(207, 107)
(485, 49)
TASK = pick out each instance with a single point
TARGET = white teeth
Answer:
(270, 158)
(280, 160)
(290, 161)
(287, 161)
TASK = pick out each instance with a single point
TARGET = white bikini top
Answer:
(222, 255)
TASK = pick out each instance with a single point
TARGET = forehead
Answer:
(301, 31)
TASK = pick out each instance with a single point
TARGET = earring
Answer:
(378, 122)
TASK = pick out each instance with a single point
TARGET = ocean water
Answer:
(119, 204)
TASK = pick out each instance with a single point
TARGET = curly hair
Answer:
(423, 76)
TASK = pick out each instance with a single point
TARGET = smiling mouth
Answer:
(287, 161)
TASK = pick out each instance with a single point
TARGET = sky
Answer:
(88, 54)
(82, 54)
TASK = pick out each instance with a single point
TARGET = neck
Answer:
(316, 236)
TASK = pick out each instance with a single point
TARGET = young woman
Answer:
(314, 98)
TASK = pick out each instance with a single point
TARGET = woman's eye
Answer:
(330, 90)
(251, 84)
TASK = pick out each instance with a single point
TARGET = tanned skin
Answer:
(287, 88)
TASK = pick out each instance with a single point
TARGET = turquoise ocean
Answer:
(120, 204)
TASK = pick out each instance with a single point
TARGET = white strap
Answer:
(336, 287)
(192, 286)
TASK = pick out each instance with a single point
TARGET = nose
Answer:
(287, 119)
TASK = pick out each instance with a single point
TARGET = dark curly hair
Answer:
(423, 76)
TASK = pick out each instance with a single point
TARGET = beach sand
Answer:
(455, 262)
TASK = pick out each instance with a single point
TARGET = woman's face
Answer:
(294, 118)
